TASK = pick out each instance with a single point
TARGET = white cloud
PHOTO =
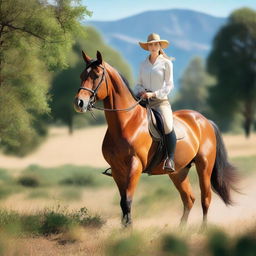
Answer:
(125, 38)
(189, 45)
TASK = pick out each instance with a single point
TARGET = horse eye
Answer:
(94, 76)
(84, 75)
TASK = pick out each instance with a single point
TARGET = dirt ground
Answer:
(84, 148)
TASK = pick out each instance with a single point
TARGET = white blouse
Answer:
(157, 77)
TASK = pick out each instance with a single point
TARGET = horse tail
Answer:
(224, 176)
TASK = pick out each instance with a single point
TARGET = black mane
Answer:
(128, 86)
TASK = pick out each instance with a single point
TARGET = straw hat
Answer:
(154, 38)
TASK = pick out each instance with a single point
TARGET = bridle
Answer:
(94, 92)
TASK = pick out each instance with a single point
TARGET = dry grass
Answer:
(153, 218)
(84, 148)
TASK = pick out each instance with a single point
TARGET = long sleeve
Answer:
(168, 78)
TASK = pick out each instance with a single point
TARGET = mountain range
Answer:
(190, 34)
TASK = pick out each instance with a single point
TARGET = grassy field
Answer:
(73, 209)
(59, 207)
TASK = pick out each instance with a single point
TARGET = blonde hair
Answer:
(161, 51)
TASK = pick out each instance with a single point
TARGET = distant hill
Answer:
(189, 32)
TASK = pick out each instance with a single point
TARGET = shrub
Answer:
(49, 221)
(83, 217)
(245, 245)
(29, 181)
(54, 223)
(78, 180)
(172, 245)
(218, 244)
(127, 246)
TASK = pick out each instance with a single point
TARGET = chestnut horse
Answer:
(129, 148)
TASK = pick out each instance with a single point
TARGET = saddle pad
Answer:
(155, 133)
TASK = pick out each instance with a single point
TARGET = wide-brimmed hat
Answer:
(154, 38)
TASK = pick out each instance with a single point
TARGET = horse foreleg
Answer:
(181, 181)
(126, 204)
(127, 181)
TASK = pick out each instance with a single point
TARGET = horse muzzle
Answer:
(81, 105)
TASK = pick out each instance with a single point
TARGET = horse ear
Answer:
(86, 58)
(99, 57)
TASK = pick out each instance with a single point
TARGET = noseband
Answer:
(94, 92)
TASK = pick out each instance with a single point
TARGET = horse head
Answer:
(93, 84)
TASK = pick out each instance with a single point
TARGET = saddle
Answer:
(156, 130)
(156, 126)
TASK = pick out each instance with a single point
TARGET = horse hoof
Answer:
(203, 228)
(126, 223)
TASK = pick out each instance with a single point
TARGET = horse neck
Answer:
(119, 97)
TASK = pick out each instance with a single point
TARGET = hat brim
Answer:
(164, 44)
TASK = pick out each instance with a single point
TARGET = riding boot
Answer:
(170, 140)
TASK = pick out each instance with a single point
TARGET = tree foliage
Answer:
(66, 83)
(35, 36)
(233, 62)
(194, 86)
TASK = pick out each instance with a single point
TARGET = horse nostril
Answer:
(80, 103)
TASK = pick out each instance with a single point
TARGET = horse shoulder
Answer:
(116, 147)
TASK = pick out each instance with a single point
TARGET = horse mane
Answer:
(127, 85)
(124, 80)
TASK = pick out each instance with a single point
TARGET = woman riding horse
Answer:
(155, 83)
(129, 148)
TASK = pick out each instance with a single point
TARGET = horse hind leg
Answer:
(204, 167)
(181, 182)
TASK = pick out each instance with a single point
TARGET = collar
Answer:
(159, 57)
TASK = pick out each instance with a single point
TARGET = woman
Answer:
(155, 83)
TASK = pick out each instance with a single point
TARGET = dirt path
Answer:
(60, 148)
(84, 148)
(235, 220)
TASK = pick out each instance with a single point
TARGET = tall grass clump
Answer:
(126, 244)
(220, 243)
(172, 245)
(29, 181)
(47, 221)
(68, 175)
(6, 184)
(78, 179)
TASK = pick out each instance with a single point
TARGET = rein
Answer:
(94, 94)
(116, 109)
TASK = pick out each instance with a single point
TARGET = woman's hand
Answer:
(148, 95)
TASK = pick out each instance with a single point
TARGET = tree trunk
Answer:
(248, 117)
(70, 128)
(247, 127)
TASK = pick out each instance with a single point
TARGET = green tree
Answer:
(233, 62)
(66, 82)
(194, 86)
(35, 36)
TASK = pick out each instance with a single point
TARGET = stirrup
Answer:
(107, 173)
(169, 165)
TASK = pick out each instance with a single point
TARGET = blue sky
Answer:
(117, 9)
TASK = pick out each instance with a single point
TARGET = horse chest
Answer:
(114, 146)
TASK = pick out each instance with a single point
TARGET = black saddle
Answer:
(161, 152)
